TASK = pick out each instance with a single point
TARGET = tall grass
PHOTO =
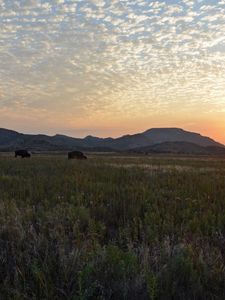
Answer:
(108, 228)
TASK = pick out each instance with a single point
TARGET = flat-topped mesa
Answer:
(160, 135)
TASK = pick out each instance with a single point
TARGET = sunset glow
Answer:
(110, 67)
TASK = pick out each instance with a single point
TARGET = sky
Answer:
(110, 67)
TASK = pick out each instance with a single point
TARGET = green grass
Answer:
(112, 227)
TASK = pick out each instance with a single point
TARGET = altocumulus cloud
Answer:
(80, 57)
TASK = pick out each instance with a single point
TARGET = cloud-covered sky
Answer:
(107, 67)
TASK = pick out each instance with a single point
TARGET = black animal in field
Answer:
(76, 155)
(22, 153)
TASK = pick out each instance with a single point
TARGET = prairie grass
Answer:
(109, 228)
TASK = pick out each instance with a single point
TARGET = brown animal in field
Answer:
(22, 153)
(76, 155)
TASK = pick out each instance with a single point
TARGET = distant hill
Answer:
(159, 140)
(160, 135)
(181, 148)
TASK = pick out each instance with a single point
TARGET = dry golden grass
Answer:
(112, 227)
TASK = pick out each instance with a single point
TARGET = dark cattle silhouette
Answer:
(22, 153)
(76, 155)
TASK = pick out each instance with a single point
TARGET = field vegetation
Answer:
(112, 227)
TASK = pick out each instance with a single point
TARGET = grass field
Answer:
(112, 227)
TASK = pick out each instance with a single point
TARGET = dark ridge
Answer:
(170, 140)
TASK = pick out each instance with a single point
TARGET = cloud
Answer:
(124, 57)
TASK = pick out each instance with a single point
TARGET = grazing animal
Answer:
(22, 153)
(76, 155)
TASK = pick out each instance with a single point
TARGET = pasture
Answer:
(112, 227)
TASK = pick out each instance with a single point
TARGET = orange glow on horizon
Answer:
(113, 125)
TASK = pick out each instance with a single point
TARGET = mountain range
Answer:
(155, 140)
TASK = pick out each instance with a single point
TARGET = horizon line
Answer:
(116, 137)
